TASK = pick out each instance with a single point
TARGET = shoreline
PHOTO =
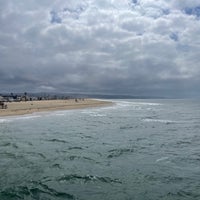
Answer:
(30, 107)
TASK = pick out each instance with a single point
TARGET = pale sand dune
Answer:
(21, 108)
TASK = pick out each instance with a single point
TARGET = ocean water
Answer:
(133, 150)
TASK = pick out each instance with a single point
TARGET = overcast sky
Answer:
(138, 47)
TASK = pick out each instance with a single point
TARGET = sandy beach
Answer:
(29, 107)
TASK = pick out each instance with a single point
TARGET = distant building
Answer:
(2, 98)
(8, 98)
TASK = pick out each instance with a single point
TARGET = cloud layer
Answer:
(138, 47)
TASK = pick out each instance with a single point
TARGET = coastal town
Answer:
(21, 104)
(24, 97)
(30, 97)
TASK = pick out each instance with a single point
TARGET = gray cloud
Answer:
(141, 47)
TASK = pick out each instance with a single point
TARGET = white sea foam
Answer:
(147, 104)
(98, 115)
(162, 159)
(135, 104)
(26, 117)
(123, 103)
(95, 113)
(159, 121)
(21, 117)
(59, 114)
(4, 120)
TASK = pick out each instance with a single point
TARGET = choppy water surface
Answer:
(136, 149)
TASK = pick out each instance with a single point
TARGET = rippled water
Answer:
(136, 149)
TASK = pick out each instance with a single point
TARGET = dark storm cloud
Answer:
(109, 46)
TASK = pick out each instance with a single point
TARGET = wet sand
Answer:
(29, 107)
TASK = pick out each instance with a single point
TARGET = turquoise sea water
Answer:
(133, 150)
